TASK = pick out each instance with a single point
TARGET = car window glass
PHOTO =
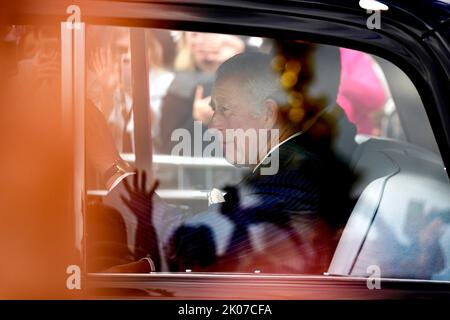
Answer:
(266, 152)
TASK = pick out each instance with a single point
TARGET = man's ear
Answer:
(270, 112)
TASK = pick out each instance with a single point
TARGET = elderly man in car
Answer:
(286, 215)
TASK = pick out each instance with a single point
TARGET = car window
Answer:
(266, 151)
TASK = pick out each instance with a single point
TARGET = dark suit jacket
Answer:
(287, 222)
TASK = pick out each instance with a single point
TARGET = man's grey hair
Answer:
(255, 77)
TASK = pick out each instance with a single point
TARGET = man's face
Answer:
(236, 120)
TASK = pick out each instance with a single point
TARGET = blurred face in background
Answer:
(209, 50)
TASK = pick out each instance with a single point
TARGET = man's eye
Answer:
(219, 109)
(224, 109)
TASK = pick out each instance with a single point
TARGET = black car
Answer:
(396, 242)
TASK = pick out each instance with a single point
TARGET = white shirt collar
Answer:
(275, 147)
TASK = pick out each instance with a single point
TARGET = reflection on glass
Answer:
(276, 128)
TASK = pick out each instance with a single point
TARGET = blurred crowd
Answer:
(181, 67)
(181, 71)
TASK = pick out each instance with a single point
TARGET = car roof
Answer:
(419, 16)
(431, 12)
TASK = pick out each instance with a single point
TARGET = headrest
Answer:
(324, 67)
